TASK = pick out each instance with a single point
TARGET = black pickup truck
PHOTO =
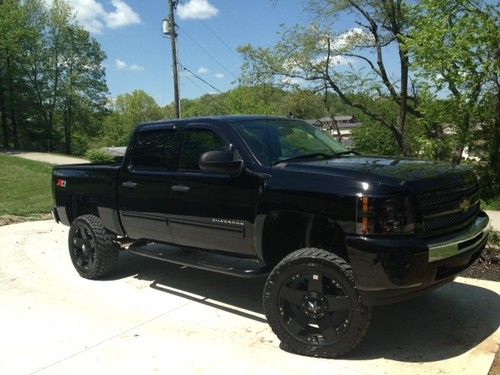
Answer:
(335, 232)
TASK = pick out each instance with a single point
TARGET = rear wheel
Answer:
(91, 247)
(312, 305)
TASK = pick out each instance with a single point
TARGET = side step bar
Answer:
(201, 260)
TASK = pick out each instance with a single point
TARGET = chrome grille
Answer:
(447, 211)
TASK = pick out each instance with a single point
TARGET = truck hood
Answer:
(419, 174)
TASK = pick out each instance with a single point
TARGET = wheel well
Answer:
(78, 204)
(285, 232)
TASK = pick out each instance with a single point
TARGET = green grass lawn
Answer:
(493, 204)
(24, 187)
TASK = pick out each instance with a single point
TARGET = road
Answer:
(153, 317)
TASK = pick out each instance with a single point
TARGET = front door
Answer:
(209, 210)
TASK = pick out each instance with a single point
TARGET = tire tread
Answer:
(288, 343)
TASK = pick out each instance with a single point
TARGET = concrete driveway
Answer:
(47, 157)
(153, 317)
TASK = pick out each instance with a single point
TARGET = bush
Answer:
(490, 186)
(99, 156)
(374, 139)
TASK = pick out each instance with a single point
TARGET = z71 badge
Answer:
(61, 183)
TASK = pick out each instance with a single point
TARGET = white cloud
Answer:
(123, 15)
(136, 67)
(219, 75)
(194, 9)
(351, 39)
(122, 65)
(94, 18)
(202, 70)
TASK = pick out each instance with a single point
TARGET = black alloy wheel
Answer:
(83, 247)
(91, 247)
(312, 305)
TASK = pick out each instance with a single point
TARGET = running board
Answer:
(201, 260)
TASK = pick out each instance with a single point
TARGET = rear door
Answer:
(145, 183)
(209, 210)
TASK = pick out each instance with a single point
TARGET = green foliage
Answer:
(348, 63)
(128, 110)
(490, 189)
(373, 139)
(131, 109)
(24, 186)
(304, 104)
(260, 99)
(52, 80)
(454, 47)
(99, 156)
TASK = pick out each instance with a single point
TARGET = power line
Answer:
(194, 83)
(219, 109)
(208, 53)
(201, 79)
(212, 31)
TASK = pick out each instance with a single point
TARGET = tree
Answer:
(256, 99)
(455, 48)
(83, 85)
(51, 76)
(346, 63)
(13, 33)
(128, 110)
(303, 104)
(373, 139)
(206, 105)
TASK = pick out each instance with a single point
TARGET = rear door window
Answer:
(154, 150)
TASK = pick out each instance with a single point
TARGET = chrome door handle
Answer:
(129, 184)
(180, 188)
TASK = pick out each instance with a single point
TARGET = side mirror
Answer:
(220, 162)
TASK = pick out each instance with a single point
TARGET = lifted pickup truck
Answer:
(335, 232)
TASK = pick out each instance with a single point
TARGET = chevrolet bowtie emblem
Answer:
(464, 205)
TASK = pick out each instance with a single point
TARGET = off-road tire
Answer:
(311, 260)
(105, 254)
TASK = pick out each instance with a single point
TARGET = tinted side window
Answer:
(196, 143)
(154, 149)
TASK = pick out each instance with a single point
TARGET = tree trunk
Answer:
(332, 116)
(3, 114)
(13, 119)
(495, 144)
(67, 129)
(403, 105)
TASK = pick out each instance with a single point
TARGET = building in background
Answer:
(345, 124)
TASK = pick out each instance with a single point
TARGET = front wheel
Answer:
(91, 247)
(313, 306)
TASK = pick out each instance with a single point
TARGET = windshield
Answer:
(275, 140)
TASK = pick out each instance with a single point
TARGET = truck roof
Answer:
(227, 118)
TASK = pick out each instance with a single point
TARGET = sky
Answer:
(139, 56)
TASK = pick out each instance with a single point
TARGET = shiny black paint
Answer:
(228, 213)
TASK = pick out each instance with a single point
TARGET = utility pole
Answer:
(169, 28)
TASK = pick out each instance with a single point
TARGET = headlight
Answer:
(385, 215)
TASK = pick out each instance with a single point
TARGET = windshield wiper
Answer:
(305, 156)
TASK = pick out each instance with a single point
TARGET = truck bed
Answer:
(98, 181)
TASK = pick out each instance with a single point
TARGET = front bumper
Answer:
(390, 269)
